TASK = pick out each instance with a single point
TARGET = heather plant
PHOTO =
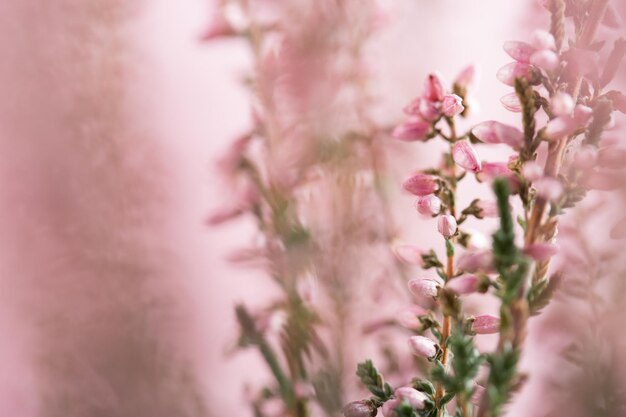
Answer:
(560, 85)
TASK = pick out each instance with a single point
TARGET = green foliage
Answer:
(503, 378)
(373, 380)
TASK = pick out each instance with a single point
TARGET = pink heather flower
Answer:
(496, 132)
(409, 254)
(452, 105)
(486, 324)
(428, 205)
(585, 158)
(413, 108)
(508, 73)
(475, 261)
(464, 284)
(427, 110)
(422, 346)
(358, 409)
(542, 39)
(612, 157)
(414, 129)
(466, 156)
(488, 208)
(218, 28)
(434, 89)
(423, 287)
(421, 184)
(511, 102)
(467, 77)
(493, 170)
(519, 51)
(583, 114)
(560, 127)
(541, 251)
(546, 60)
(390, 406)
(548, 188)
(446, 225)
(562, 104)
(408, 316)
(415, 398)
(532, 171)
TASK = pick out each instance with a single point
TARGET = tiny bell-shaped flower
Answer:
(422, 346)
(466, 156)
(546, 60)
(511, 103)
(486, 324)
(519, 51)
(542, 39)
(390, 406)
(560, 127)
(409, 254)
(358, 409)
(446, 225)
(475, 261)
(413, 129)
(423, 287)
(532, 171)
(428, 205)
(487, 208)
(508, 73)
(434, 89)
(464, 284)
(413, 397)
(549, 188)
(496, 132)
(562, 104)
(409, 317)
(421, 184)
(467, 77)
(541, 251)
(583, 114)
(452, 105)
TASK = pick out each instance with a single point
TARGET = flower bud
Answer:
(434, 89)
(414, 129)
(429, 110)
(358, 409)
(546, 60)
(532, 171)
(409, 254)
(390, 406)
(466, 156)
(408, 317)
(487, 208)
(422, 346)
(218, 28)
(542, 39)
(511, 103)
(486, 324)
(496, 132)
(446, 225)
(413, 397)
(549, 188)
(421, 184)
(583, 115)
(428, 205)
(519, 51)
(541, 251)
(508, 73)
(467, 77)
(452, 105)
(464, 284)
(562, 104)
(560, 127)
(475, 261)
(423, 287)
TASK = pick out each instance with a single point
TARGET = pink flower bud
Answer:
(560, 127)
(428, 205)
(409, 254)
(422, 346)
(467, 77)
(585, 158)
(415, 398)
(429, 110)
(434, 89)
(358, 409)
(562, 104)
(493, 170)
(475, 261)
(486, 324)
(582, 115)
(496, 132)
(464, 284)
(549, 188)
(414, 129)
(390, 406)
(413, 108)
(542, 39)
(541, 251)
(466, 156)
(488, 208)
(408, 317)
(508, 73)
(545, 59)
(446, 225)
(421, 184)
(532, 171)
(452, 105)
(511, 102)
(519, 51)
(612, 157)
(423, 287)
